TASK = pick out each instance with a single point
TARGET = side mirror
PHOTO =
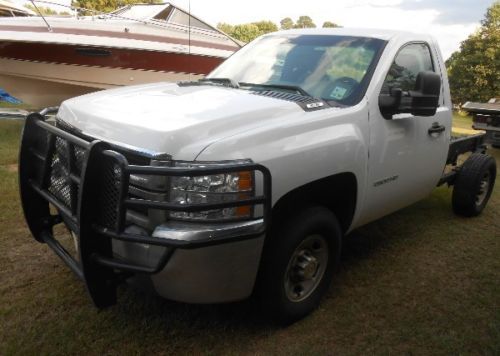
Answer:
(389, 103)
(423, 101)
(425, 97)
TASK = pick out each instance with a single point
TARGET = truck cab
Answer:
(246, 182)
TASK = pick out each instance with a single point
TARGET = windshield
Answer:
(141, 11)
(333, 68)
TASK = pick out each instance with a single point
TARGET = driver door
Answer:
(405, 160)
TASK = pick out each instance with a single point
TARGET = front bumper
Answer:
(211, 274)
(193, 263)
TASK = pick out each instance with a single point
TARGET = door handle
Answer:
(436, 128)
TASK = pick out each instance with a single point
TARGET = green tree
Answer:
(248, 31)
(304, 22)
(225, 27)
(329, 24)
(474, 70)
(46, 11)
(287, 23)
(266, 26)
(108, 5)
(245, 32)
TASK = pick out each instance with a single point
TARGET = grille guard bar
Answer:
(97, 266)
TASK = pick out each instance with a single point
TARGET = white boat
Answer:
(10, 9)
(45, 60)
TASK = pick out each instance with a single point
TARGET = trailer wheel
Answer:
(298, 264)
(474, 184)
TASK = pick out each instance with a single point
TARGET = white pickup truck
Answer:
(247, 181)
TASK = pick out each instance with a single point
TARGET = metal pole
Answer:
(189, 38)
(37, 9)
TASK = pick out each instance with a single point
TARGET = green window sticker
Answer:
(338, 93)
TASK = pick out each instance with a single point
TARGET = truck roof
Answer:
(361, 32)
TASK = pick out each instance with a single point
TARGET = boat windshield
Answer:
(140, 11)
(163, 12)
(334, 68)
(177, 16)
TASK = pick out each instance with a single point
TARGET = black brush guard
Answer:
(90, 190)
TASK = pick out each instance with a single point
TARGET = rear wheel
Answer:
(298, 263)
(474, 185)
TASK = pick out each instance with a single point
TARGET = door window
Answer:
(410, 60)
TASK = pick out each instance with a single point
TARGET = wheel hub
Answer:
(484, 186)
(306, 268)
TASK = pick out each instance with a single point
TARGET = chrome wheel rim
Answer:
(484, 187)
(306, 268)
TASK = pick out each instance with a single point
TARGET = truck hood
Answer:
(167, 118)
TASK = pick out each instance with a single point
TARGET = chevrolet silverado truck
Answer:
(245, 183)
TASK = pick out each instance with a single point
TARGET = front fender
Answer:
(303, 149)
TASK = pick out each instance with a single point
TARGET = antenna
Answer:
(189, 38)
(37, 9)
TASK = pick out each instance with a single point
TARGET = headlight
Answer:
(211, 189)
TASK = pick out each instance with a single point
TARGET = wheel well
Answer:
(337, 192)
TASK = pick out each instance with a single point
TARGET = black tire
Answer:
(474, 184)
(494, 145)
(286, 249)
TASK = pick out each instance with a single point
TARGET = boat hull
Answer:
(45, 74)
(41, 84)
(44, 66)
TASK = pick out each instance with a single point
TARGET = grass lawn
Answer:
(6, 105)
(462, 121)
(420, 281)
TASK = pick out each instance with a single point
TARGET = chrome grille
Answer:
(60, 183)
(66, 168)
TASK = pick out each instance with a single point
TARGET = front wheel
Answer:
(298, 263)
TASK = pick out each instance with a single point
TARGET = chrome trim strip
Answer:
(184, 231)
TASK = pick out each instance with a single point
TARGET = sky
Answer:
(450, 21)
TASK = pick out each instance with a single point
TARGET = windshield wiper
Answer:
(295, 88)
(222, 81)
